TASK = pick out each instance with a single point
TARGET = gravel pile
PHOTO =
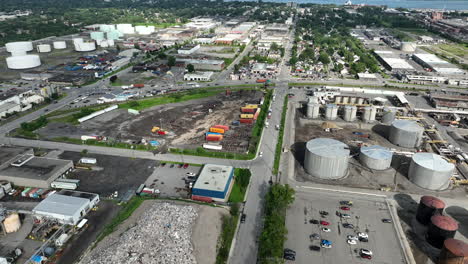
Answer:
(162, 235)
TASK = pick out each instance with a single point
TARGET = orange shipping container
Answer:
(246, 115)
(257, 113)
(226, 128)
(214, 137)
(217, 130)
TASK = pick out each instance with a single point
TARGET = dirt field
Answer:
(186, 123)
(359, 176)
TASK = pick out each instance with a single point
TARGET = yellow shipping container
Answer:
(217, 130)
(246, 115)
(251, 106)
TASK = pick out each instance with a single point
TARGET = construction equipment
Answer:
(155, 129)
(457, 182)
(436, 141)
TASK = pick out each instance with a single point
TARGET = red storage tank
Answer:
(226, 128)
(214, 137)
(454, 252)
(202, 198)
(429, 206)
(246, 121)
(441, 228)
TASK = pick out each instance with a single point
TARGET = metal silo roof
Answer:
(377, 152)
(407, 125)
(327, 147)
(456, 247)
(432, 162)
(444, 222)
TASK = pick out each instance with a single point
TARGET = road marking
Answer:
(342, 191)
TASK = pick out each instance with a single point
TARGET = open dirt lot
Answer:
(186, 123)
(161, 232)
(358, 175)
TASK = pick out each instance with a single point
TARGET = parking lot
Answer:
(366, 215)
(169, 179)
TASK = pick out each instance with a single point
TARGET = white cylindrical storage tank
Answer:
(345, 99)
(369, 114)
(60, 45)
(12, 223)
(313, 110)
(408, 46)
(19, 48)
(360, 101)
(376, 157)
(43, 48)
(349, 114)
(331, 112)
(406, 133)
(388, 115)
(430, 171)
(352, 100)
(98, 36)
(337, 99)
(23, 62)
(126, 28)
(110, 42)
(106, 28)
(104, 44)
(326, 158)
(113, 35)
(85, 46)
(313, 100)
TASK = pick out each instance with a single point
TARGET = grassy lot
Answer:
(242, 179)
(168, 99)
(225, 238)
(456, 49)
(279, 145)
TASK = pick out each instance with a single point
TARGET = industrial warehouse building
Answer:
(66, 207)
(392, 61)
(433, 62)
(206, 65)
(213, 183)
(20, 167)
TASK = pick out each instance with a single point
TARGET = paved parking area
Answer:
(169, 180)
(366, 216)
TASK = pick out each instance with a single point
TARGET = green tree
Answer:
(324, 58)
(171, 61)
(338, 67)
(190, 68)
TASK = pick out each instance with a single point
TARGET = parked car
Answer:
(345, 208)
(323, 213)
(186, 165)
(351, 242)
(326, 243)
(365, 251)
(314, 236)
(190, 174)
(172, 165)
(346, 203)
(325, 229)
(289, 251)
(314, 221)
(289, 257)
(365, 256)
(386, 220)
(324, 223)
(163, 164)
(346, 216)
(243, 216)
(180, 165)
(352, 237)
(314, 248)
(360, 234)
(347, 225)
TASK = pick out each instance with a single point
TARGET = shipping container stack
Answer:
(216, 133)
(249, 114)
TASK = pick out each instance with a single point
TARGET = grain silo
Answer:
(313, 110)
(454, 252)
(345, 99)
(441, 228)
(349, 114)
(406, 133)
(430, 171)
(376, 157)
(326, 158)
(352, 100)
(60, 45)
(429, 206)
(369, 114)
(12, 223)
(360, 101)
(331, 112)
(337, 99)
(388, 115)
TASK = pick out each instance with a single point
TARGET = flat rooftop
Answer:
(213, 177)
(36, 168)
(61, 205)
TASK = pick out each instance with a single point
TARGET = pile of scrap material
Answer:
(161, 235)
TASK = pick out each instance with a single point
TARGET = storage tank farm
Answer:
(126, 28)
(81, 45)
(326, 158)
(97, 35)
(44, 48)
(313, 107)
(430, 171)
(406, 133)
(350, 112)
(60, 45)
(441, 228)
(19, 58)
(376, 157)
(454, 251)
(429, 206)
(331, 112)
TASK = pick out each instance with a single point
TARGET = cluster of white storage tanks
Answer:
(19, 58)
(313, 107)
(326, 158)
(349, 100)
(60, 45)
(331, 111)
(44, 48)
(406, 133)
